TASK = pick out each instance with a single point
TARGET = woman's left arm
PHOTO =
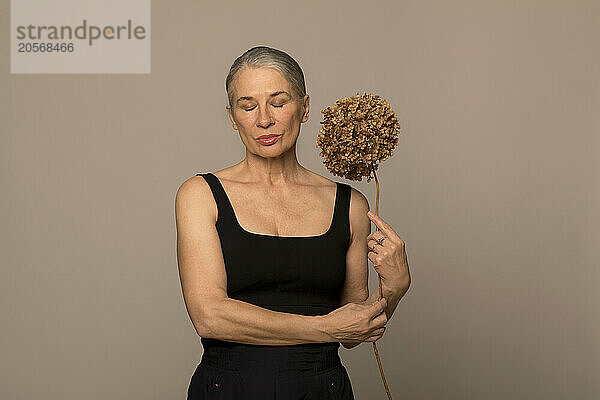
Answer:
(356, 289)
(392, 295)
(387, 251)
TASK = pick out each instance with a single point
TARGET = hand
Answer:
(357, 322)
(389, 256)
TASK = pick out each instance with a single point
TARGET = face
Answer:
(264, 104)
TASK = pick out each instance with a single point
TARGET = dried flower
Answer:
(358, 132)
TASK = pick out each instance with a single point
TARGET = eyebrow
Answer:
(272, 95)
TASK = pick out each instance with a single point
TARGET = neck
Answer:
(279, 170)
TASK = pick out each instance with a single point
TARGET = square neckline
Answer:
(263, 235)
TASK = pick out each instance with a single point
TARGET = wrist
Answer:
(321, 325)
(389, 288)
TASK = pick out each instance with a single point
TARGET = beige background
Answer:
(494, 187)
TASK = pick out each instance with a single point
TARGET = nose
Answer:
(264, 117)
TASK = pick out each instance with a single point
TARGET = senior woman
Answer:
(273, 258)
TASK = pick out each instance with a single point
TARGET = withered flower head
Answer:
(358, 132)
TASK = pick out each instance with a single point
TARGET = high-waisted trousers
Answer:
(235, 371)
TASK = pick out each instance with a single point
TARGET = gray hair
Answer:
(263, 56)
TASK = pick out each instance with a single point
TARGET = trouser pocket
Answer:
(215, 383)
(335, 384)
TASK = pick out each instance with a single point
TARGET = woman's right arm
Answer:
(204, 282)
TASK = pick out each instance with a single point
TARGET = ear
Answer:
(306, 102)
(228, 107)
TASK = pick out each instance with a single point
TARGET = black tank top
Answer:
(292, 274)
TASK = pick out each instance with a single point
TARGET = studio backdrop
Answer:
(494, 186)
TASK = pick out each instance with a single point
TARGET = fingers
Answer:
(380, 320)
(378, 331)
(378, 307)
(372, 243)
(381, 304)
(377, 334)
(381, 224)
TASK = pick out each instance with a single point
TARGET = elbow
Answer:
(201, 329)
(203, 320)
(199, 320)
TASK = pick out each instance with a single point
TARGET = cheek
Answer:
(243, 119)
(290, 116)
(286, 116)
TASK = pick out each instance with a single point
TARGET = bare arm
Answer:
(204, 282)
(356, 285)
(392, 296)
(356, 289)
(237, 321)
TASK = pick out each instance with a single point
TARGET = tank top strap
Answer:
(341, 212)
(224, 207)
(342, 209)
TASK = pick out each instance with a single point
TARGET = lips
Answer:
(267, 140)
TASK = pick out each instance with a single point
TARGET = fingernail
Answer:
(370, 213)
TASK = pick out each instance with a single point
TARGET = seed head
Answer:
(358, 132)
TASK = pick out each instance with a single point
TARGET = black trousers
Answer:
(236, 371)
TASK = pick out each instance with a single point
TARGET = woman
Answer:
(273, 257)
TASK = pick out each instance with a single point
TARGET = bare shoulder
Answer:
(320, 180)
(358, 201)
(359, 205)
(194, 198)
(228, 174)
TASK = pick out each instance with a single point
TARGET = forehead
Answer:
(259, 81)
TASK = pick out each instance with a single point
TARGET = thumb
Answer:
(380, 304)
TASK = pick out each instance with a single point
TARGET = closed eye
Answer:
(274, 105)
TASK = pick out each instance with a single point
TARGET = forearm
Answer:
(238, 321)
(392, 294)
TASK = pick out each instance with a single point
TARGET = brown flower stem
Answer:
(387, 390)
